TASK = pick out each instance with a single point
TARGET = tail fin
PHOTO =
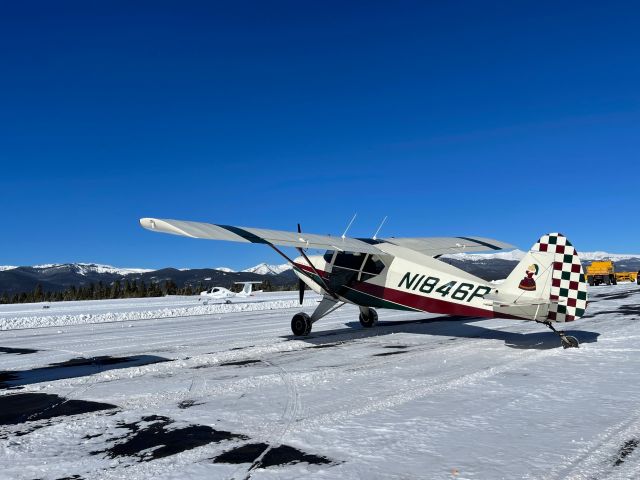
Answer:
(550, 273)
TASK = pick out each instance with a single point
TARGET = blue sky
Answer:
(506, 120)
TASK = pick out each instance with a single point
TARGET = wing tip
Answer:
(148, 223)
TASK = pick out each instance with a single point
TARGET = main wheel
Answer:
(569, 342)
(301, 324)
(369, 320)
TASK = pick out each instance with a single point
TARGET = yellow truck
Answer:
(603, 272)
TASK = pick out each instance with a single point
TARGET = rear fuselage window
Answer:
(373, 265)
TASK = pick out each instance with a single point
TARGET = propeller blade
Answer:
(301, 287)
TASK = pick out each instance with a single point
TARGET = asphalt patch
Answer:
(616, 296)
(386, 354)
(240, 362)
(151, 439)
(76, 367)
(327, 345)
(282, 455)
(626, 450)
(17, 351)
(630, 310)
(23, 407)
(187, 404)
(241, 348)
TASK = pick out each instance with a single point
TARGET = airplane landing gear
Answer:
(567, 340)
(301, 324)
(368, 317)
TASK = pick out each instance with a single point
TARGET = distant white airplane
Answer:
(221, 292)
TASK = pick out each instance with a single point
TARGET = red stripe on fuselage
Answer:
(307, 268)
(425, 304)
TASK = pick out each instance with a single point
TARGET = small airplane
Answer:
(221, 292)
(548, 285)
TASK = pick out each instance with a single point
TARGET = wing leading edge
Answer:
(433, 246)
(257, 235)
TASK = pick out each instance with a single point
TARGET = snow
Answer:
(608, 256)
(265, 269)
(419, 396)
(6, 267)
(84, 268)
(16, 316)
(225, 269)
(518, 255)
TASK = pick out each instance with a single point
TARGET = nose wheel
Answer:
(301, 324)
(368, 317)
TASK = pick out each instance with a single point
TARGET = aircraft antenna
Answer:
(375, 235)
(349, 226)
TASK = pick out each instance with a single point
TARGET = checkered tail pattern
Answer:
(568, 286)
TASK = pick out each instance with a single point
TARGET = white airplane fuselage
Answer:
(405, 280)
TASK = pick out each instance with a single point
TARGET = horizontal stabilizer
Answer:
(505, 300)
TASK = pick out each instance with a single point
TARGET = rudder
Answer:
(568, 293)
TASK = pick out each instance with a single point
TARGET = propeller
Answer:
(301, 287)
(301, 284)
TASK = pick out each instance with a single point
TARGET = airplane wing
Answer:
(433, 246)
(436, 246)
(257, 235)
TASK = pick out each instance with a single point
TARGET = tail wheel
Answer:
(569, 342)
(370, 319)
(301, 324)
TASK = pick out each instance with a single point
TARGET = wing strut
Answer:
(324, 284)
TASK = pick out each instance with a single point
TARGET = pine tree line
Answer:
(118, 290)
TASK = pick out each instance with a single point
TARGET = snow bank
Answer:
(12, 323)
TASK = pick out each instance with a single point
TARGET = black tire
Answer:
(370, 320)
(570, 342)
(591, 282)
(607, 280)
(301, 324)
(614, 280)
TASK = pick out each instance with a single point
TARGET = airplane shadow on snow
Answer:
(455, 327)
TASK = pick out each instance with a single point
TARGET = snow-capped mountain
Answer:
(616, 257)
(4, 268)
(266, 269)
(85, 268)
(513, 255)
(517, 255)
(225, 269)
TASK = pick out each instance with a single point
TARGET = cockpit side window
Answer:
(352, 261)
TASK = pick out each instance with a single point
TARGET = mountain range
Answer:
(58, 277)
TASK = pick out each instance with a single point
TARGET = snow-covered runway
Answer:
(123, 389)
